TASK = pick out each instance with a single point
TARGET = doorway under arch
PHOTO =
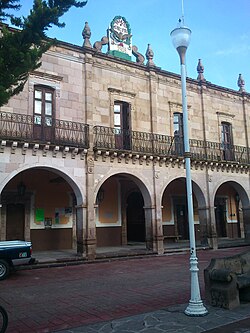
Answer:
(38, 205)
(15, 216)
(135, 218)
(221, 216)
(175, 212)
(229, 202)
(120, 212)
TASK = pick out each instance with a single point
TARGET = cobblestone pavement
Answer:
(110, 293)
(173, 320)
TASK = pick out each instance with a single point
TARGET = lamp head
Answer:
(181, 38)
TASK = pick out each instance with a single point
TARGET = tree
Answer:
(21, 47)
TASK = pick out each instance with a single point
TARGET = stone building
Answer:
(91, 152)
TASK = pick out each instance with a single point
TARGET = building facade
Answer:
(91, 152)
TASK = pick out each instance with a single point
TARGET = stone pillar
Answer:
(27, 220)
(154, 234)
(158, 239)
(86, 235)
(211, 228)
(246, 220)
(153, 100)
(90, 241)
(81, 229)
(148, 227)
(3, 222)
(74, 228)
(89, 232)
(241, 222)
(90, 212)
(124, 222)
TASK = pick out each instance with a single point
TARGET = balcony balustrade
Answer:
(22, 127)
(106, 138)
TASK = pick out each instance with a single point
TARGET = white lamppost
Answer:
(181, 38)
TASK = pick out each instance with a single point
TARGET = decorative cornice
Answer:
(45, 149)
(47, 75)
(179, 162)
(176, 106)
(163, 73)
(71, 57)
(210, 88)
(224, 114)
(121, 92)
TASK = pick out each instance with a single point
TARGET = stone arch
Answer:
(128, 183)
(244, 197)
(176, 205)
(74, 197)
(232, 210)
(141, 182)
(72, 182)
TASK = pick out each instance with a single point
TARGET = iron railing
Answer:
(137, 142)
(215, 151)
(165, 145)
(21, 127)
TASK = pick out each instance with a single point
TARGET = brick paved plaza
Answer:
(56, 298)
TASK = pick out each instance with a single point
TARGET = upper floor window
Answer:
(226, 134)
(117, 115)
(43, 112)
(43, 105)
(178, 133)
(122, 115)
(227, 141)
(178, 124)
(122, 124)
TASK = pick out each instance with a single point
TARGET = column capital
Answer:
(81, 206)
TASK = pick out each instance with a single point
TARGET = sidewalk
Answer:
(172, 319)
(65, 257)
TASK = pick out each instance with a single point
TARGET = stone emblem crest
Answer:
(120, 38)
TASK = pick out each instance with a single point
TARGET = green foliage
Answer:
(21, 50)
(6, 5)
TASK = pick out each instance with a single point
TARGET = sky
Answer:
(220, 33)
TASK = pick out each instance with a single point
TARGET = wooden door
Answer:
(221, 217)
(182, 220)
(15, 222)
(135, 218)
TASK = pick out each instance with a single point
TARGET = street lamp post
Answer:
(181, 38)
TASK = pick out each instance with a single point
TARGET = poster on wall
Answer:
(39, 215)
(62, 215)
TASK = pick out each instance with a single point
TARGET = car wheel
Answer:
(4, 269)
(3, 320)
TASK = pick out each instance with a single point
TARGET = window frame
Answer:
(44, 116)
(179, 135)
(43, 121)
(227, 141)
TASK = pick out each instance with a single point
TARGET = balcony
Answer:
(106, 138)
(20, 127)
